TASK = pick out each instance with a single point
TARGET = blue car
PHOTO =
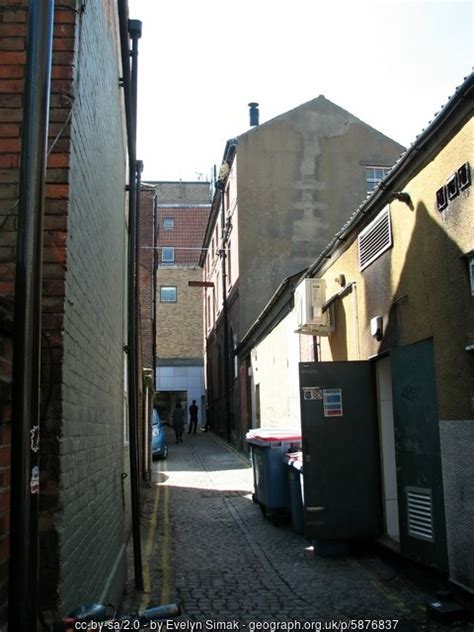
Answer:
(159, 447)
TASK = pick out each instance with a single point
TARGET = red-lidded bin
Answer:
(268, 446)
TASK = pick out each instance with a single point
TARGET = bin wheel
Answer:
(254, 497)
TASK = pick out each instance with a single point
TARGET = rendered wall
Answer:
(300, 176)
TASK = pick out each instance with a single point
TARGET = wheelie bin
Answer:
(294, 463)
(268, 446)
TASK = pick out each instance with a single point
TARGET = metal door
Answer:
(340, 450)
(419, 477)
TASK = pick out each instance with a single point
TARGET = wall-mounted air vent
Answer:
(420, 513)
(375, 239)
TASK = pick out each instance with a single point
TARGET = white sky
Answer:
(392, 64)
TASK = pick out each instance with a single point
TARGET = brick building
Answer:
(182, 213)
(84, 503)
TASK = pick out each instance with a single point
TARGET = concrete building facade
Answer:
(400, 295)
(283, 189)
(182, 214)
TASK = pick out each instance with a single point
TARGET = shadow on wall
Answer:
(432, 299)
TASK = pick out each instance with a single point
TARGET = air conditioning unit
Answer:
(310, 296)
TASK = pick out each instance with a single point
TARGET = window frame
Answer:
(373, 180)
(171, 250)
(169, 287)
(169, 220)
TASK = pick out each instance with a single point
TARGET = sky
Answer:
(391, 64)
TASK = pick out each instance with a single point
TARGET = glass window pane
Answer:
(167, 255)
(168, 294)
(168, 223)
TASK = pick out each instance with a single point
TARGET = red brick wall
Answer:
(147, 206)
(13, 32)
(188, 232)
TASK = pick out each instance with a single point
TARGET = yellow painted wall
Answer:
(420, 286)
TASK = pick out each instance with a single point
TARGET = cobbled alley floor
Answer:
(208, 547)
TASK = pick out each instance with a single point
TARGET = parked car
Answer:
(159, 447)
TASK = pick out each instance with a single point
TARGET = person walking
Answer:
(193, 417)
(178, 422)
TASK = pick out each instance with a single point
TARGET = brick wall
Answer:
(6, 350)
(179, 325)
(146, 259)
(188, 205)
(81, 524)
(91, 520)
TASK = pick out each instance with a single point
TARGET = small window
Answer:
(452, 187)
(168, 223)
(464, 176)
(167, 255)
(441, 199)
(168, 294)
(375, 175)
(375, 239)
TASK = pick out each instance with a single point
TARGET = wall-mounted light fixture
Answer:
(403, 196)
(376, 327)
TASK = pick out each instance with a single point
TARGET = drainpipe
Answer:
(24, 579)
(132, 29)
(154, 293)
(225, 318)
(135, 31)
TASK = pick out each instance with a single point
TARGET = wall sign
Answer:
(312, 392)
(332, 402)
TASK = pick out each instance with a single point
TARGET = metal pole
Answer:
(134, 29)
(225, 318)
(23, 580)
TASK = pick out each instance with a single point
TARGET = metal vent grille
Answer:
(420, 513)
(375, 239)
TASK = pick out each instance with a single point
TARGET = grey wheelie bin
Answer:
(268, 446)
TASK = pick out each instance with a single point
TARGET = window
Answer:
(375, 239)
(167, 255)
(374, 175)
(168, 223)
(168, 293)
(229, 266)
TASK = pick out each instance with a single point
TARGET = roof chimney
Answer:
(253, 114)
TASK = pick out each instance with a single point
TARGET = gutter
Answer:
(131, 30)
(458, 104)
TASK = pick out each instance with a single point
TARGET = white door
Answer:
(387, 448)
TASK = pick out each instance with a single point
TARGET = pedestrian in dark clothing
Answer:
(193, 417)
(178, 422)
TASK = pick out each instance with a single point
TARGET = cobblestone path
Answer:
(210, 549)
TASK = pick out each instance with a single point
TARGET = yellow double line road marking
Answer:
(165, 545)
(232, 450)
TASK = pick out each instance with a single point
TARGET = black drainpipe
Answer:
(155, 292)
(23, 580)
(132, 29)
(138, 184)
(225, 318)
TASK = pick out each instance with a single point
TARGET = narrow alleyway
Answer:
(207, 546)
